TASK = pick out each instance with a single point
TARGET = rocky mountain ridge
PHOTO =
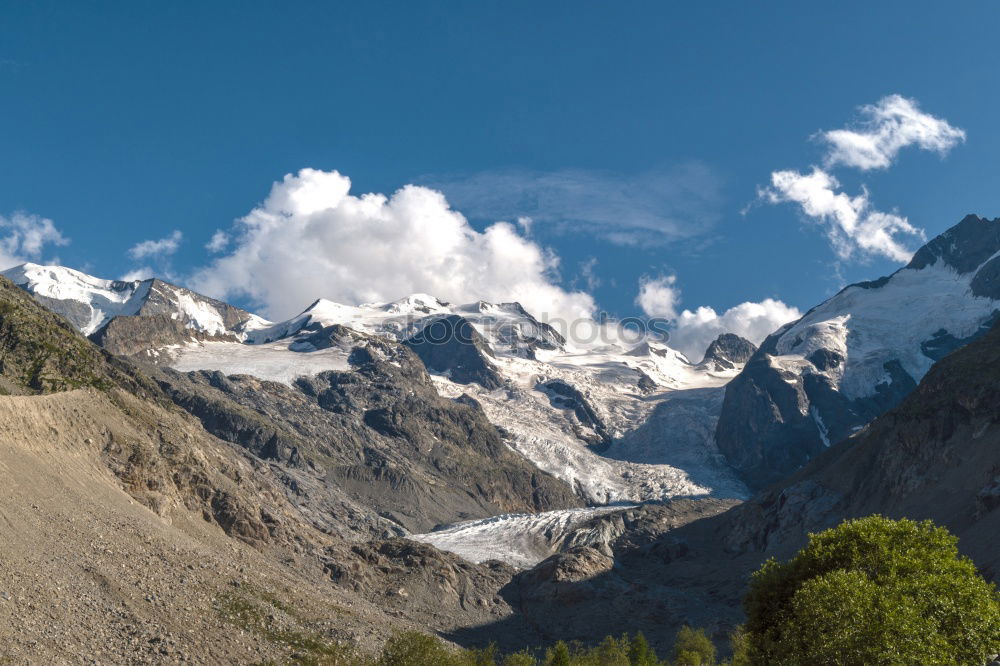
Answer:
(570, 410)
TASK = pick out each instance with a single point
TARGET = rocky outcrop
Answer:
(589, 426)
(728, 352)
(40, 352)
(143, 335)
(450, 345)
(817, 381)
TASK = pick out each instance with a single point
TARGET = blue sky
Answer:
(636, 135)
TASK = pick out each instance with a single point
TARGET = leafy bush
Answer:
(873, 591)
(693, 648)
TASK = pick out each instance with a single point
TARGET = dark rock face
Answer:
(774, 420)
(137, 335)
(566, 396)
(371, 450)
(325, 337)
(762, 429)
(964, 247)
(728, 351)
(450, 344)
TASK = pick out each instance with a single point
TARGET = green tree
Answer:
(558, 655)
(640, 654)
(610, 652)
(693, 648)
(873, 592)
(739, 645)
(522, 658)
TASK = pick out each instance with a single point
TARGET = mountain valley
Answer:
(465, 469)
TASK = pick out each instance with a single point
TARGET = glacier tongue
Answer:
(521, 540)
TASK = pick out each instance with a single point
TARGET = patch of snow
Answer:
(820, 426)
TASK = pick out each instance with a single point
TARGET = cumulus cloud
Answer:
(162, 247)
(654, 207)
(24, 236)
(312, 238)
(888, 126)
(851, 223)
(659, 297)
(694, 331)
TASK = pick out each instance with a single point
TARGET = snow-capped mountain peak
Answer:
(851, 358)
(90, 303)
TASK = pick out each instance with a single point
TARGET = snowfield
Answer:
(274, 361)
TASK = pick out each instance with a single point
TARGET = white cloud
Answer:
(141, 273)
(588, 273)
(311, 238)
(653, 207)
(219, 241)
(888, 126)
(162, 247)
(850, 222)
(23, 237)
(694, 331)
(659, 297)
